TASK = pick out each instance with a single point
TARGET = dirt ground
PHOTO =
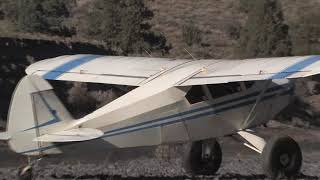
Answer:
(239, 162)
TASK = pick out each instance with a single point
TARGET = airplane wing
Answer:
(81, 134)
(135, 71)
(132, 71)
(256, 69)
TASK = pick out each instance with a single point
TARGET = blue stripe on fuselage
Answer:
(272, 89)
(106, 135)
(203, 108)
(58, 71)
(254, 94)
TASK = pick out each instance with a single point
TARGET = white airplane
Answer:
(175, 101)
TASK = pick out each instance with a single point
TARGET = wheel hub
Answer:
(284, 160)
(206, 152)
(205, 157)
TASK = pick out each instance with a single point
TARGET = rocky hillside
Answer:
(218, 23)
(215, 24)
(303, 17)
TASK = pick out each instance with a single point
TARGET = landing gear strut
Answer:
(281, 157)
(204, 157)
(25, 173)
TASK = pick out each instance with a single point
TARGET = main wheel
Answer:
(281, 157)
(204, 157)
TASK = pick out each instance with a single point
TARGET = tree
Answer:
(55, 12)
(38, 16)
(103, 20)
(9, 9)
(29, 16)
(265, 33)
(2, 12)
(125, 26)
(306, 32)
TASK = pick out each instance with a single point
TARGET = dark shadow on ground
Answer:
(223, 176)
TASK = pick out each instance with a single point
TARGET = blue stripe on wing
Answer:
(58, 71)
(296, 67)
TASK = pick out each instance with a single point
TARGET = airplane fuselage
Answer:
(212, 117)
(179, 114)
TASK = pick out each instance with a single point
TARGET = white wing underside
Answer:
(136, 71)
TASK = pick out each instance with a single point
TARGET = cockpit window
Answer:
(195, 95)
(220, 90)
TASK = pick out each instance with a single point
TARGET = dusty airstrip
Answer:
(145, 163)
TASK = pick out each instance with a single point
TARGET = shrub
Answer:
(104, 97)
(39, 16)
(191, 34)
(80, 100)
(125, 26)
(265, 33)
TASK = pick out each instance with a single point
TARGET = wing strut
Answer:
(261, 95)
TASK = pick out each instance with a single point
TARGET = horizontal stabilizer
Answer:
(4, 136)
(81, 134)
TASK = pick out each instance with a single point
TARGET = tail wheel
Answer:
(25, 173)
(281, 157)
(205, 157)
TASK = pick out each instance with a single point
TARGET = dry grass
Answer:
(294, 10)
(212, 17)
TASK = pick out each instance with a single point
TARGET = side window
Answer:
(195, 95)
(220, 90)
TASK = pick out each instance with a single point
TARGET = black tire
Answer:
(197, 165)
(281, 157)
